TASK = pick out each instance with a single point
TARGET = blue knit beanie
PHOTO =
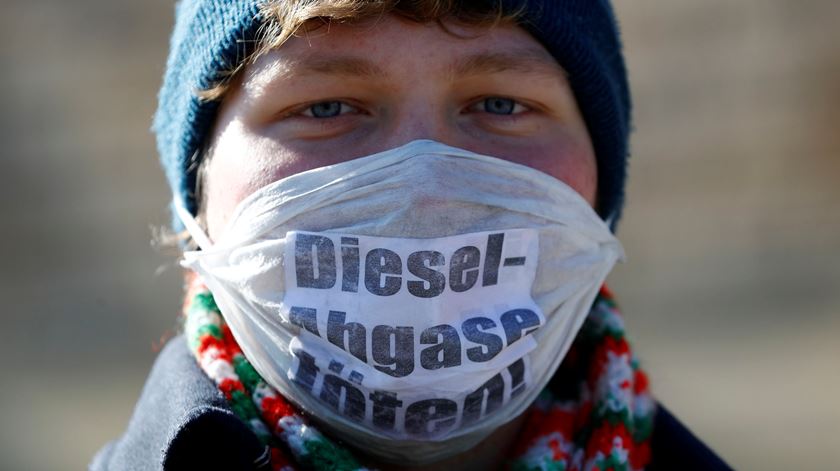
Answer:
(213, 36)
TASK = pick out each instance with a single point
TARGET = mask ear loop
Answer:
(192, 225)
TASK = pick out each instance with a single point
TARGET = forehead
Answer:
(391, 47)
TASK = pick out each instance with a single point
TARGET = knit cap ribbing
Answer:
(583, 36)
(212, 36)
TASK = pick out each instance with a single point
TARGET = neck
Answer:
(489, 455)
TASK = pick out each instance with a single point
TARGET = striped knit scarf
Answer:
(595, 415)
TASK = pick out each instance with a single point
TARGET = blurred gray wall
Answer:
(731, 228)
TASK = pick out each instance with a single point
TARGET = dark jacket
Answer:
(182, 421)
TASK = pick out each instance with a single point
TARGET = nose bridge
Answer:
(420, 115)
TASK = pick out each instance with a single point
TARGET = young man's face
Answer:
(347, 91)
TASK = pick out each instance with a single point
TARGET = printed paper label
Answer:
(417, 336)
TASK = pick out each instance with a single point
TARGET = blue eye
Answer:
(325, 109)
(499, 105)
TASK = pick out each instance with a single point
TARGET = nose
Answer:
(421, 118)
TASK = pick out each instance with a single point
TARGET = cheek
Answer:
(225, 188)
(568, 157)
(243, 162)
(238, 167)
(579, 171)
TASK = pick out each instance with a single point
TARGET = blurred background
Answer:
(731, 288)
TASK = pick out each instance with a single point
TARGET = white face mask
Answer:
(413, 301)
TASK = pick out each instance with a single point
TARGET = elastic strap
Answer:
(192, 225)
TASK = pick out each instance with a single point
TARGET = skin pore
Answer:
(345, 91)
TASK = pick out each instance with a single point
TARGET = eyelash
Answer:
(479, 106)
(306, 110)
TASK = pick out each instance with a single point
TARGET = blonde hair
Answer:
(284, 19)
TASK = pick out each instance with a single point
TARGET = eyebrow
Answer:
(347, 66)
(526, 60)
(342, 66)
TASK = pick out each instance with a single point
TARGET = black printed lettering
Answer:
(385, 409)
(350, 264)
(356, 335)
(354, 400)
(381, 263)
(419, 264)
(445, 351)
(355, 377)
(517, 321)
(473, 331)
(514, 261)
(517, 377)
(336, 367)
(306, 371)
(430, 416)
(399, 360)
(492, 259)
(484, 400)
(314, 270)
(304, 317)
(463, 268)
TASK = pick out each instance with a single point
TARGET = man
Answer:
(404, 217)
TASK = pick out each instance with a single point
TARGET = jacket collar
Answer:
(181, 415)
